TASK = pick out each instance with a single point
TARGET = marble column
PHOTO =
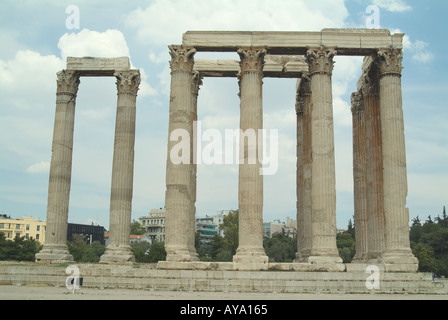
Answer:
(55, 248)
(359, 176)
(195, 86)
(303, 108)
(323, 179)
(374, 166)
(398, 255)
(179, 195)
(118, 249)
(250, 254)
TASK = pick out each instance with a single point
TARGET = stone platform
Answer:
(148, 277)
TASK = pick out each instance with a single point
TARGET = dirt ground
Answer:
(8, 292)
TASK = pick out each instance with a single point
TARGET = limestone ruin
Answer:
(379, 159)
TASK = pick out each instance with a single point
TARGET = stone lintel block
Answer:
(92, 66)
(345, 41)
(231, 68)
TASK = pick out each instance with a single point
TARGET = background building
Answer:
(275, 227)
(90, 233)
(27, 227)
(209, 226)
(154, 224)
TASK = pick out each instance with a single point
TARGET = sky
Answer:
(38, 36)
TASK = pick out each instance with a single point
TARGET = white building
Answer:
(275, 227)
(154, 224)
(208, 226)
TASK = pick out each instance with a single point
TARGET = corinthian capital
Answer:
(320, 60)
(182, 58)
(390, 61)
(252, 59)
(128, 81)
(68, 82)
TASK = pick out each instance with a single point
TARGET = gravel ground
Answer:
(8, 292)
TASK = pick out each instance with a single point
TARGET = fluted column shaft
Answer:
(359, 176)
(179, 194)
(55, 248)
(118, 249)
(323, 181)
(195, 86)
(374, 168)
(397, 246)
(250, 254)
(304, 232)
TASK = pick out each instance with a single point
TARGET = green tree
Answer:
(20, 249)
(140, 250)
(83, 252)
(156, 252)
(280, 248)
(224, 248)
(351, 228)
(429, 243)
(425, 256)
(346, 246)
(136, 228)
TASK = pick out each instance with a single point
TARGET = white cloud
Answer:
(162, 23)
(418, 48)
(393, 5)
(31, 71)
(39, 167)
(108, 44)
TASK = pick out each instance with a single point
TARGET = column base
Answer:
(181, 255)
(250, 259)
(326, 263)
(118, 255)
(360, 258)
(52, 254)
(403, 261)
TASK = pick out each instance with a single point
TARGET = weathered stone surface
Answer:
(348, 41)
(118, 251)
(274, 67)
(92, 66)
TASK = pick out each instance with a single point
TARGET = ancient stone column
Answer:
(323, 179)
(118, 249)
(374, 166)
(304, 234)
(55, 248)
(179, 194)
(195, 86)
(250, 254)
(398, 255)
(359, 176)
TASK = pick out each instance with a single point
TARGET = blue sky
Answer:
(36, 41)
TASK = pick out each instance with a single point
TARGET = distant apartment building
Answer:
(154, 224)
(209, 226)
(27, 227)
(276, 227)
